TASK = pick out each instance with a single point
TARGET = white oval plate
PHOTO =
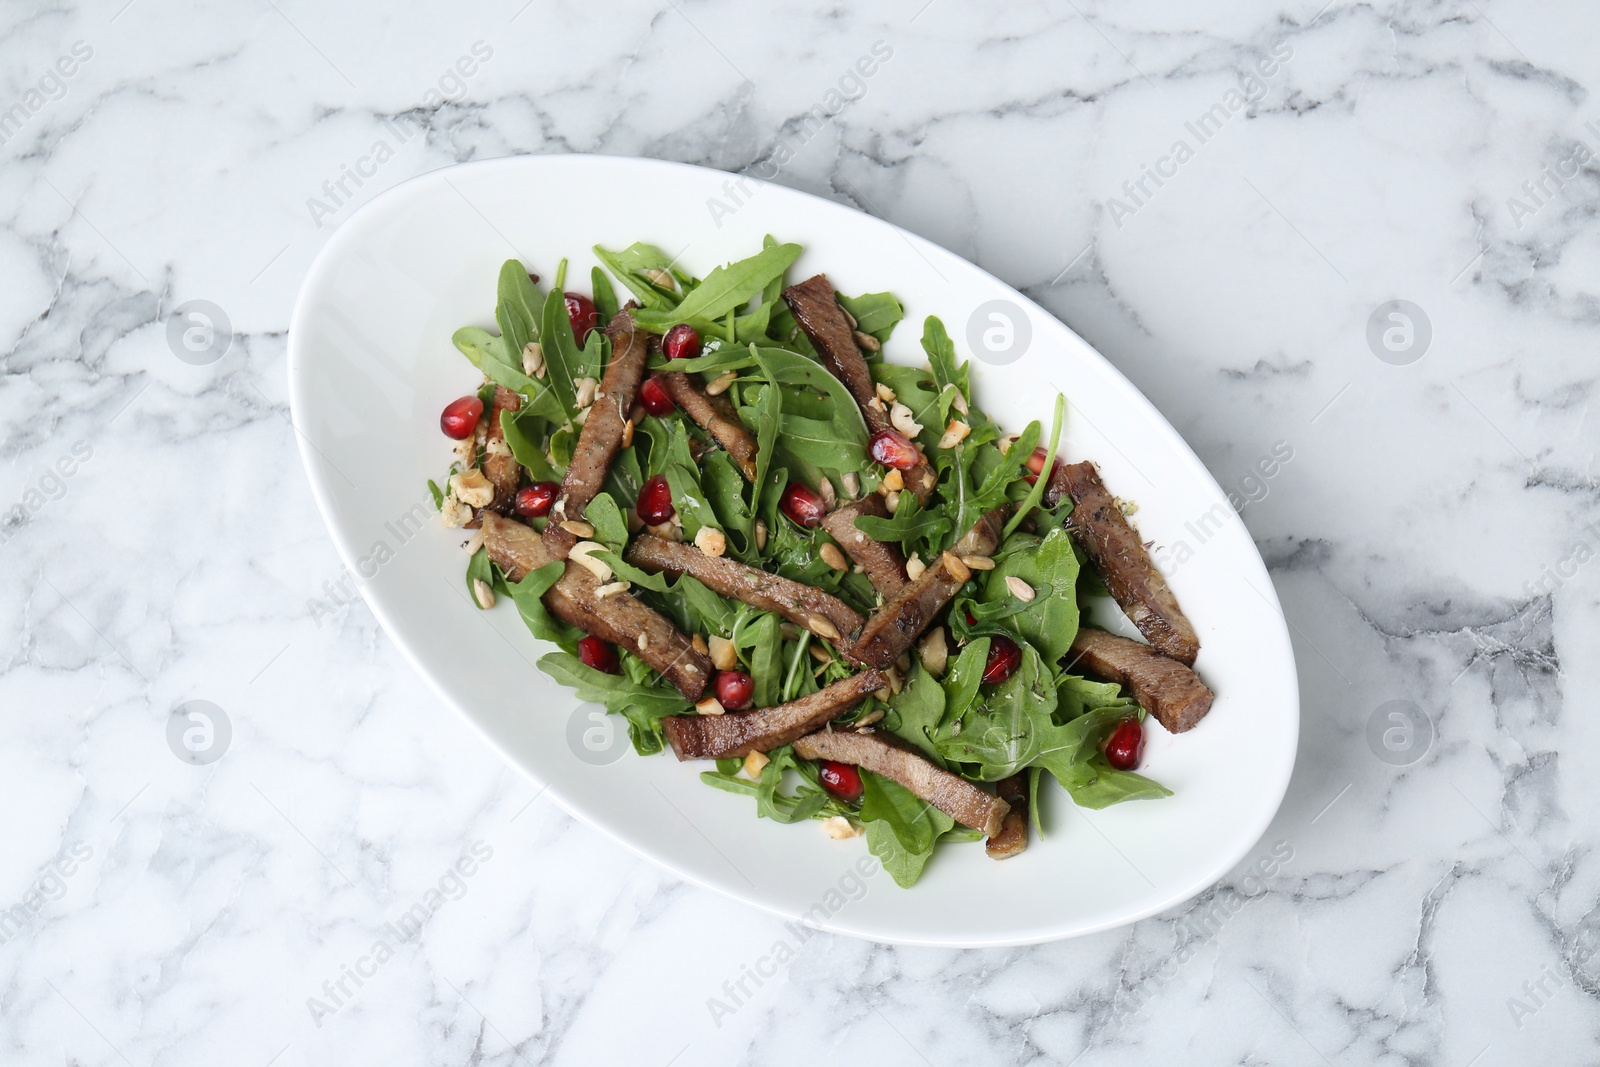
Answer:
(371, 365)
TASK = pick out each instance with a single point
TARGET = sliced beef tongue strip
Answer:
(807, 606)
(1171, 692)
(601, 435)
(618, 618)
(883, 563)
(1114, 548)
(715, 415)
(951, 794)
(1013, 835)
(499, 465)
(738, 733)
(816, 308)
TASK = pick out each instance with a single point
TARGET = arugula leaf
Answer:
(1050, 620)
(942, 358)
(910, 526)
(517, 308)
(605, 297)
(753, 327)
(563, 359)
(902, 828)
(762, 641)
(765, 417)
(610, 528)
(918, 710)
(1036, 493)
(644, 706)
(724, 290)
(875, 313)
(524, 431)
(479, 569)
(629, 265)
(489, 354)
(724, 487)
(1008, 725)
(1095, 784)
(528, 596)
(437, 494)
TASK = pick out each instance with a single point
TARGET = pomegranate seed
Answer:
(893, 450)
(654, 396)
(533, 501)
(655, 501)
(1036, 464)
(841, 779)
(583, 314)
(461, 417)
(599, 655)
(803, 504)
(1004, 659)
(970, 620)
(734, 689)
(1125, 746)
(681, 342)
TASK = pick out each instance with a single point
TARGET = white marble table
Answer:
(1429, 532)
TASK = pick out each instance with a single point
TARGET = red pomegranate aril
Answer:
(599, 655)
(1036, 464)
(461, 417)
(533, 501)
(893, 450)
(655, 501)
(1125, 746)
(840, 779)
(681, 342)
(803, 504)
(1004, 659)
(583, 315)
(734, 689)
(654, 396)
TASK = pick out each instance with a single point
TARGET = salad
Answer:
(829, 576)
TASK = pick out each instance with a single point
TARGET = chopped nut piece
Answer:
(661, 279)
(957, 568)
(959, 401)
(1019, 588)
(903, 664)
(666, 531)
(711, 541)
(830, 499)
(579, 554)
(840, 828)
(883, 694)
(894, 679)
(453, 512)
(606, 590)
(789, 630)
(466, 451)
(954, 433)
(821, 654)
(893, 482)
(577, 528)
(475, 542)
(869, 719)
(852, 483)
(1005, 443)
(698, 643)
(719, 385)
(627, 433)
(978, 563)
(875, 403)
(761, 536)
(900, 418)
(915, 567)
(892, 501)
(494, 446)
(851, 319)
(586, 389)
(934, 651)
(533, 360)
(833, 557)
(724, 656)
(823, 628)
(482, 593)
(471, 487)
(709, 706)
(867, 341)
(754, 763)
(644, 642)
(885, 393)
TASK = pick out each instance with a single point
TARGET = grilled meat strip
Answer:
(716, 416)
(618, 618)
(893, 627)
(884, 565)
(1172, 693)
(823, 614)
(738, 733)
(499, 465)
(816, 308)
(1116, 551)
(1013, 835)
(984, 537)
(601, 435)
(951, 794)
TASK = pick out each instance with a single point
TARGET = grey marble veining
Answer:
(1430, 538)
